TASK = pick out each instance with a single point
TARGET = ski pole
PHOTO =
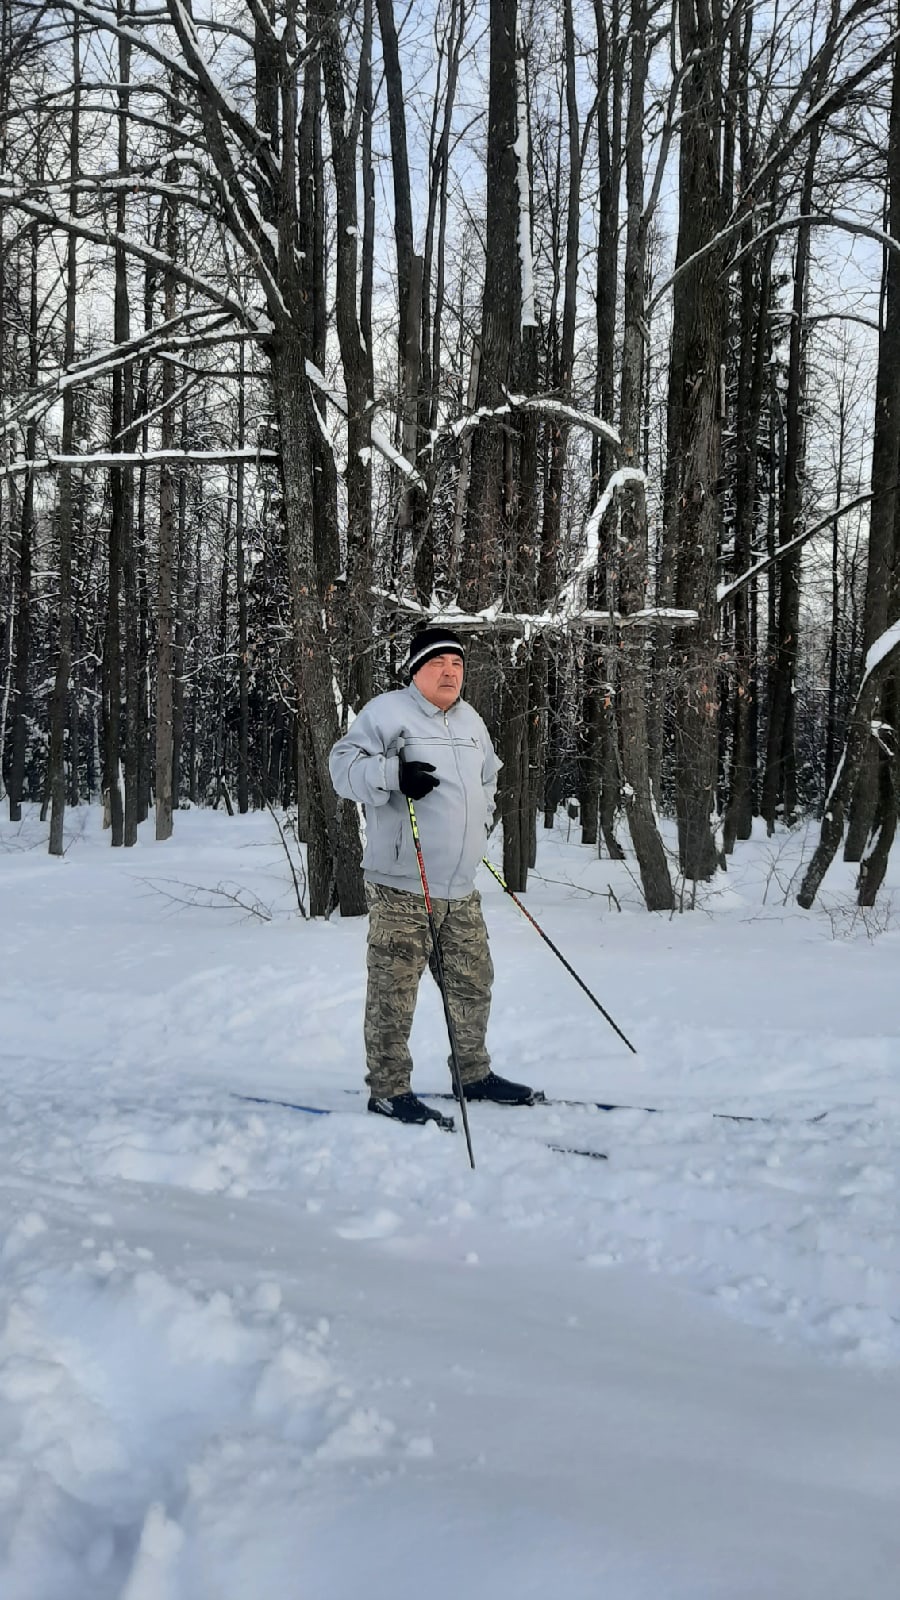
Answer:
(558, 953)
(442, 982)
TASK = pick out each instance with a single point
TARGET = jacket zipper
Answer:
(465, 832)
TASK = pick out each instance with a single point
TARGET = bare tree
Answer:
(167, 551)
(695, 415)
(633, 533)
(65, 502)
(872, 812)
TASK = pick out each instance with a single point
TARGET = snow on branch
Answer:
(106, 20)
(136, 458)
(546, 404)
(726, 591)
(882, 647)
(159, 339)
(214, 95)
(878, 657)
(133, 247)
(571, 590)
(380, 440)
(568, 611)
(165, 405)
(862, 724)
(820, 219)
(834, 99)
(557, 408)
(528, 623)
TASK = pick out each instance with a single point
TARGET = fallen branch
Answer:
(298, 891)
(223, 897)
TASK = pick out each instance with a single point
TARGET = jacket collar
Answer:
(428, 706)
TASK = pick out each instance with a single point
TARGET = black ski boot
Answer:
(503, 1092)
(408, 1108)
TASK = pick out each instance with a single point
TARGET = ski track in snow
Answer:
(158, 1419)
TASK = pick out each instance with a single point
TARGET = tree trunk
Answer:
(434, 254)
(335, 855)
(311, 186)
(858, 736)
(696, 446)
(22, 699)
(491, 512)
(243, 636)
(589, 737)
(64, 511)
(753, 343)
(601, 771)
(632, 542)
(167, 555)
(354, 359)
(412, 523)
(779, 782)
(754, 288)
(7, 572)
(875, 783)
(181, 576)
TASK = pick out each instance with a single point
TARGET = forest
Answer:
(575, 326)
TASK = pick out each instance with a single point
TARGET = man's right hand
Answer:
(417, 779)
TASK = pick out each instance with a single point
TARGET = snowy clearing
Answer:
(246, 1351)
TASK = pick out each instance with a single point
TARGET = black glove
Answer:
(416, 779)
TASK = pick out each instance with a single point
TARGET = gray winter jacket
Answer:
(453, 819)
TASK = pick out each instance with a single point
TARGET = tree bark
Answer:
(779, 789)
(491, 511)
(434, 254)
(167, 551)
(334, 872)
(859, 733)
(243, 633)
(874, 787)
(311, 186)
(522, 685)
(633, 533)
(64, 509)
(601, 772)
(753, 345)
(412, 522)
(344, 128)
(23, 618)
(695, 462)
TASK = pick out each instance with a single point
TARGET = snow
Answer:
(245, 1351)
(878, 652)
(725, 591)
(377, 434)
(571, 593)
(883, 645)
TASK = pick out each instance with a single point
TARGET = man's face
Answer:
(440, 679)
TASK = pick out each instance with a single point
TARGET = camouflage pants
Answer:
(398, 950)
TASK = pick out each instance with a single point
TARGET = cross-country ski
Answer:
(326, 1111)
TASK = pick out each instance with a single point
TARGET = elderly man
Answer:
(426, 743)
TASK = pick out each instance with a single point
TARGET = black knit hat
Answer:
(432, 642)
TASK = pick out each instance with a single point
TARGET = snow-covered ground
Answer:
(249, 1352)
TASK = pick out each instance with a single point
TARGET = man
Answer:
(426, 743)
